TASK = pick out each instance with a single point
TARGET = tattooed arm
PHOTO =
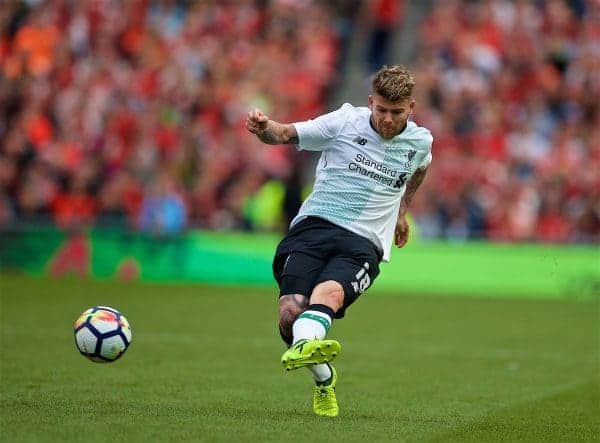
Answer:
(270, 131)
(401, 233)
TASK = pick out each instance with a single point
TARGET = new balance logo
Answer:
(361, 141)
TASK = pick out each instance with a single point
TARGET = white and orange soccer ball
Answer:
(102, 334)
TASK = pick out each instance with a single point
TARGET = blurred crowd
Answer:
(511, 92)
(130, 112)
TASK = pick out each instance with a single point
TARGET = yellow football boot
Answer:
(324, 401)
(310, 352)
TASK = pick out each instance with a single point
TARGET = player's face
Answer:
(389, 118)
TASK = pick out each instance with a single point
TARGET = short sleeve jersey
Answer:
(361, 177)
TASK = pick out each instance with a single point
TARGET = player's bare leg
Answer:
(311, 326)
(290, 307)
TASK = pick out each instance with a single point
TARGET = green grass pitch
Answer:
(204, 366)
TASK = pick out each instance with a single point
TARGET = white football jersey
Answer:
(361, 177)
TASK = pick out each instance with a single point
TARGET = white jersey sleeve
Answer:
(315, 135)
(427, 158)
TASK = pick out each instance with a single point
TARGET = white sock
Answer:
(321, 372)
(310, 325)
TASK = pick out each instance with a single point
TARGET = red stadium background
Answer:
(130, 113)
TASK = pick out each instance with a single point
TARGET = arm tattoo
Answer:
(269, 137)
(275, 134)
(411, 187)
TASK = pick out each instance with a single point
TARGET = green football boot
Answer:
(324, 401)
(310, 352)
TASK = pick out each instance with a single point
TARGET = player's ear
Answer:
(411, 107)
(370, 102)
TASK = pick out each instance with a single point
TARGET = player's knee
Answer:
(290, 307)
(329, 293)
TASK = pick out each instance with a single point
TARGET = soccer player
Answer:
(373, 159)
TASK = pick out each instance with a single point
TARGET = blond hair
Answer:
(394, 83)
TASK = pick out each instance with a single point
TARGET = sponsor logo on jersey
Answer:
(377, 171)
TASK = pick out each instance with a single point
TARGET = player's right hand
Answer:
(256, 121)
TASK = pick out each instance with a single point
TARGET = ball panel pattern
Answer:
(112, 347)
(102, 334)
(86, 341)
(104, 321)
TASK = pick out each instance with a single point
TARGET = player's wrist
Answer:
(264, 128)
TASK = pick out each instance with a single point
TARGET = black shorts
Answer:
(315, 250)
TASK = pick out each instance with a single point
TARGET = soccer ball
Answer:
(102, 334)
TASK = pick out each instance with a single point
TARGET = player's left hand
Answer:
(401, 233)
